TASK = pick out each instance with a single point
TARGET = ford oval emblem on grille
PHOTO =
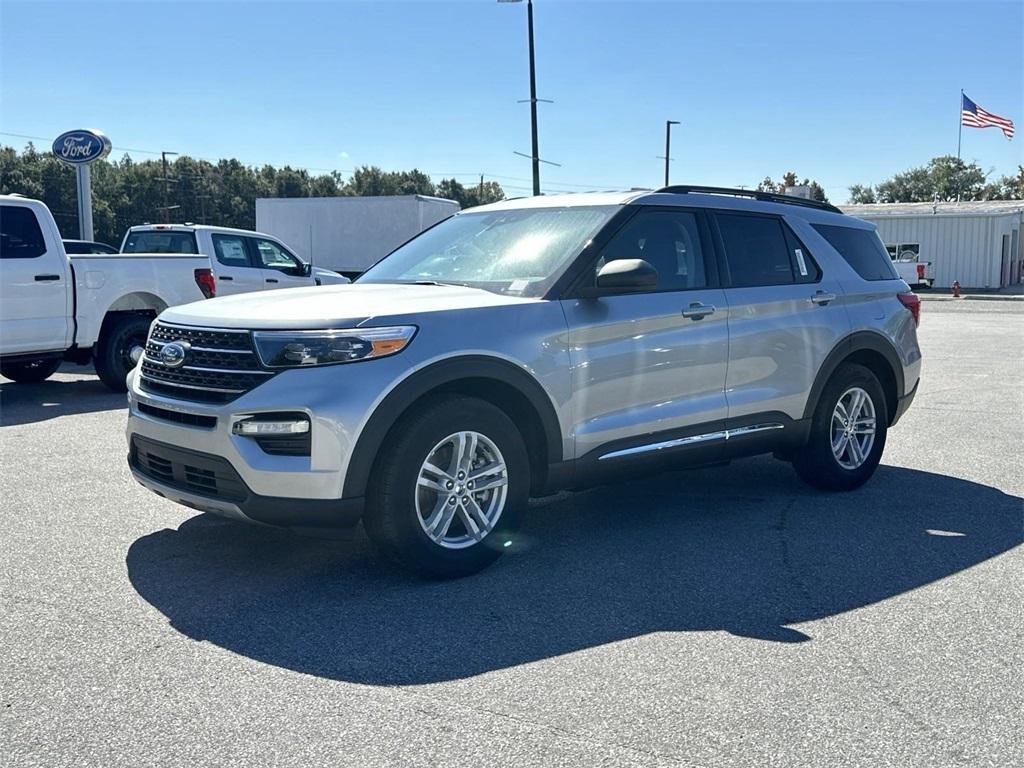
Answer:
(173, 355)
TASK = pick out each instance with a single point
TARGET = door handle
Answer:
(698, 310)
(271, 280)
(46, 278)
(225, 277)
(821, 298)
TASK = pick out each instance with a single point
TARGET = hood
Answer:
(336, 306)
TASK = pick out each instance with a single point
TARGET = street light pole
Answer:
(668, 145)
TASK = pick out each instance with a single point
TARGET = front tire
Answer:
(848, 432)
(31, 372)
(449, 487)
(118, 349)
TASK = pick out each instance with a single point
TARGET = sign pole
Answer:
(79, 149)
(84, 178)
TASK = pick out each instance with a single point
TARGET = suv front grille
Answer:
(220, 364)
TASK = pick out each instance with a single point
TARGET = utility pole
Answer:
(668, 145)
(481, 193)
(533, 103)
(167, 181)
(535, 153)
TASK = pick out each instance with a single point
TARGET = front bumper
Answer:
(197, 446)
(210, 484)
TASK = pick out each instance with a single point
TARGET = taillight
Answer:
(912, 302)
(920, 272)
(206, 283)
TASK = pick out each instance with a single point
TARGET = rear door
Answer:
(279, 267)
(785, 316)
(234, 267)
(648, 369)
(35, 290)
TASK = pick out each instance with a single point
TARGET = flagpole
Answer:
(960, 122)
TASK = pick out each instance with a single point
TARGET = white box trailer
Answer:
(349, 234)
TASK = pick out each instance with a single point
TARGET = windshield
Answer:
(157, 241)
(520, 252)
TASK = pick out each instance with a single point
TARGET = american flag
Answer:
(974, 116)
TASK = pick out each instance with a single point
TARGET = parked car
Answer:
(528, 346)
(909, 265)
(82, 307)
(87, 246)
(243, 261)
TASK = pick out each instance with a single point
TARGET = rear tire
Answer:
(113, 354)
(31, 372)
(448, 487)
(848, 432)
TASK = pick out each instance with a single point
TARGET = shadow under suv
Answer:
(528, 346)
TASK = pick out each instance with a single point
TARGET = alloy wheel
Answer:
(461, 490)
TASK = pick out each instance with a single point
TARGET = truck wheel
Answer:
(449, 487)
(847, 432)
(31, 372)
(119, 348)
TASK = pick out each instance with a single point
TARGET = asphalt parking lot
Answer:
(721, 617)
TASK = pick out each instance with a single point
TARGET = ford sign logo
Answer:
(173, 354)
(81, 147)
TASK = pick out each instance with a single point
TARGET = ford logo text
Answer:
(81, 147)
(173, 355)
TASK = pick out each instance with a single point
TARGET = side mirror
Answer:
(307, 269)
(622, 276)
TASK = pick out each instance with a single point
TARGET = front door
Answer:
(34, 286)
(280, 268)
(648, 369)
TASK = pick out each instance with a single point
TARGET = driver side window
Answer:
(667, 240)
(273, 256)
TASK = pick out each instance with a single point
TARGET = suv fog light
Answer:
(267, 428)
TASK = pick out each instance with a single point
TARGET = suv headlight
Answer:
(296, 349)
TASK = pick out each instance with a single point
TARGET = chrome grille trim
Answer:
(221, 364)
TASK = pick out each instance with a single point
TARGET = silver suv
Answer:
(528, 346)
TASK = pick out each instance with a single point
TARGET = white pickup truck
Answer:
(84, 307)
(906, 257)
(242, 260)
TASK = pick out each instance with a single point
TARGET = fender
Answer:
(425, 381)
(855, 342)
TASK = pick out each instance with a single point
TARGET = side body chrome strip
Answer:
(725, 434)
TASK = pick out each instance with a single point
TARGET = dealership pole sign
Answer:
(80, 148)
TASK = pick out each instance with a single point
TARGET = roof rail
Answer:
(767, 197)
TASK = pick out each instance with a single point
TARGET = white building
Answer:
(977, 243)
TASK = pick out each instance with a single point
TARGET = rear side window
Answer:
(755, 250)
(156, 241)
(230, 250)
(20, 236)
(862, 250)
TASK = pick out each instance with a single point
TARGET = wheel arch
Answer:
(494, 380)
(138, 303)
(874, 352)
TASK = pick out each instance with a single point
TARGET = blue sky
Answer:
(842, 92)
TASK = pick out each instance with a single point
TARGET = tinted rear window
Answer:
(755, 249)
(160, 242)
(862, 250)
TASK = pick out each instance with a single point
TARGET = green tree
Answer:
(790, 179)
(860, 193)
(127, 192)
